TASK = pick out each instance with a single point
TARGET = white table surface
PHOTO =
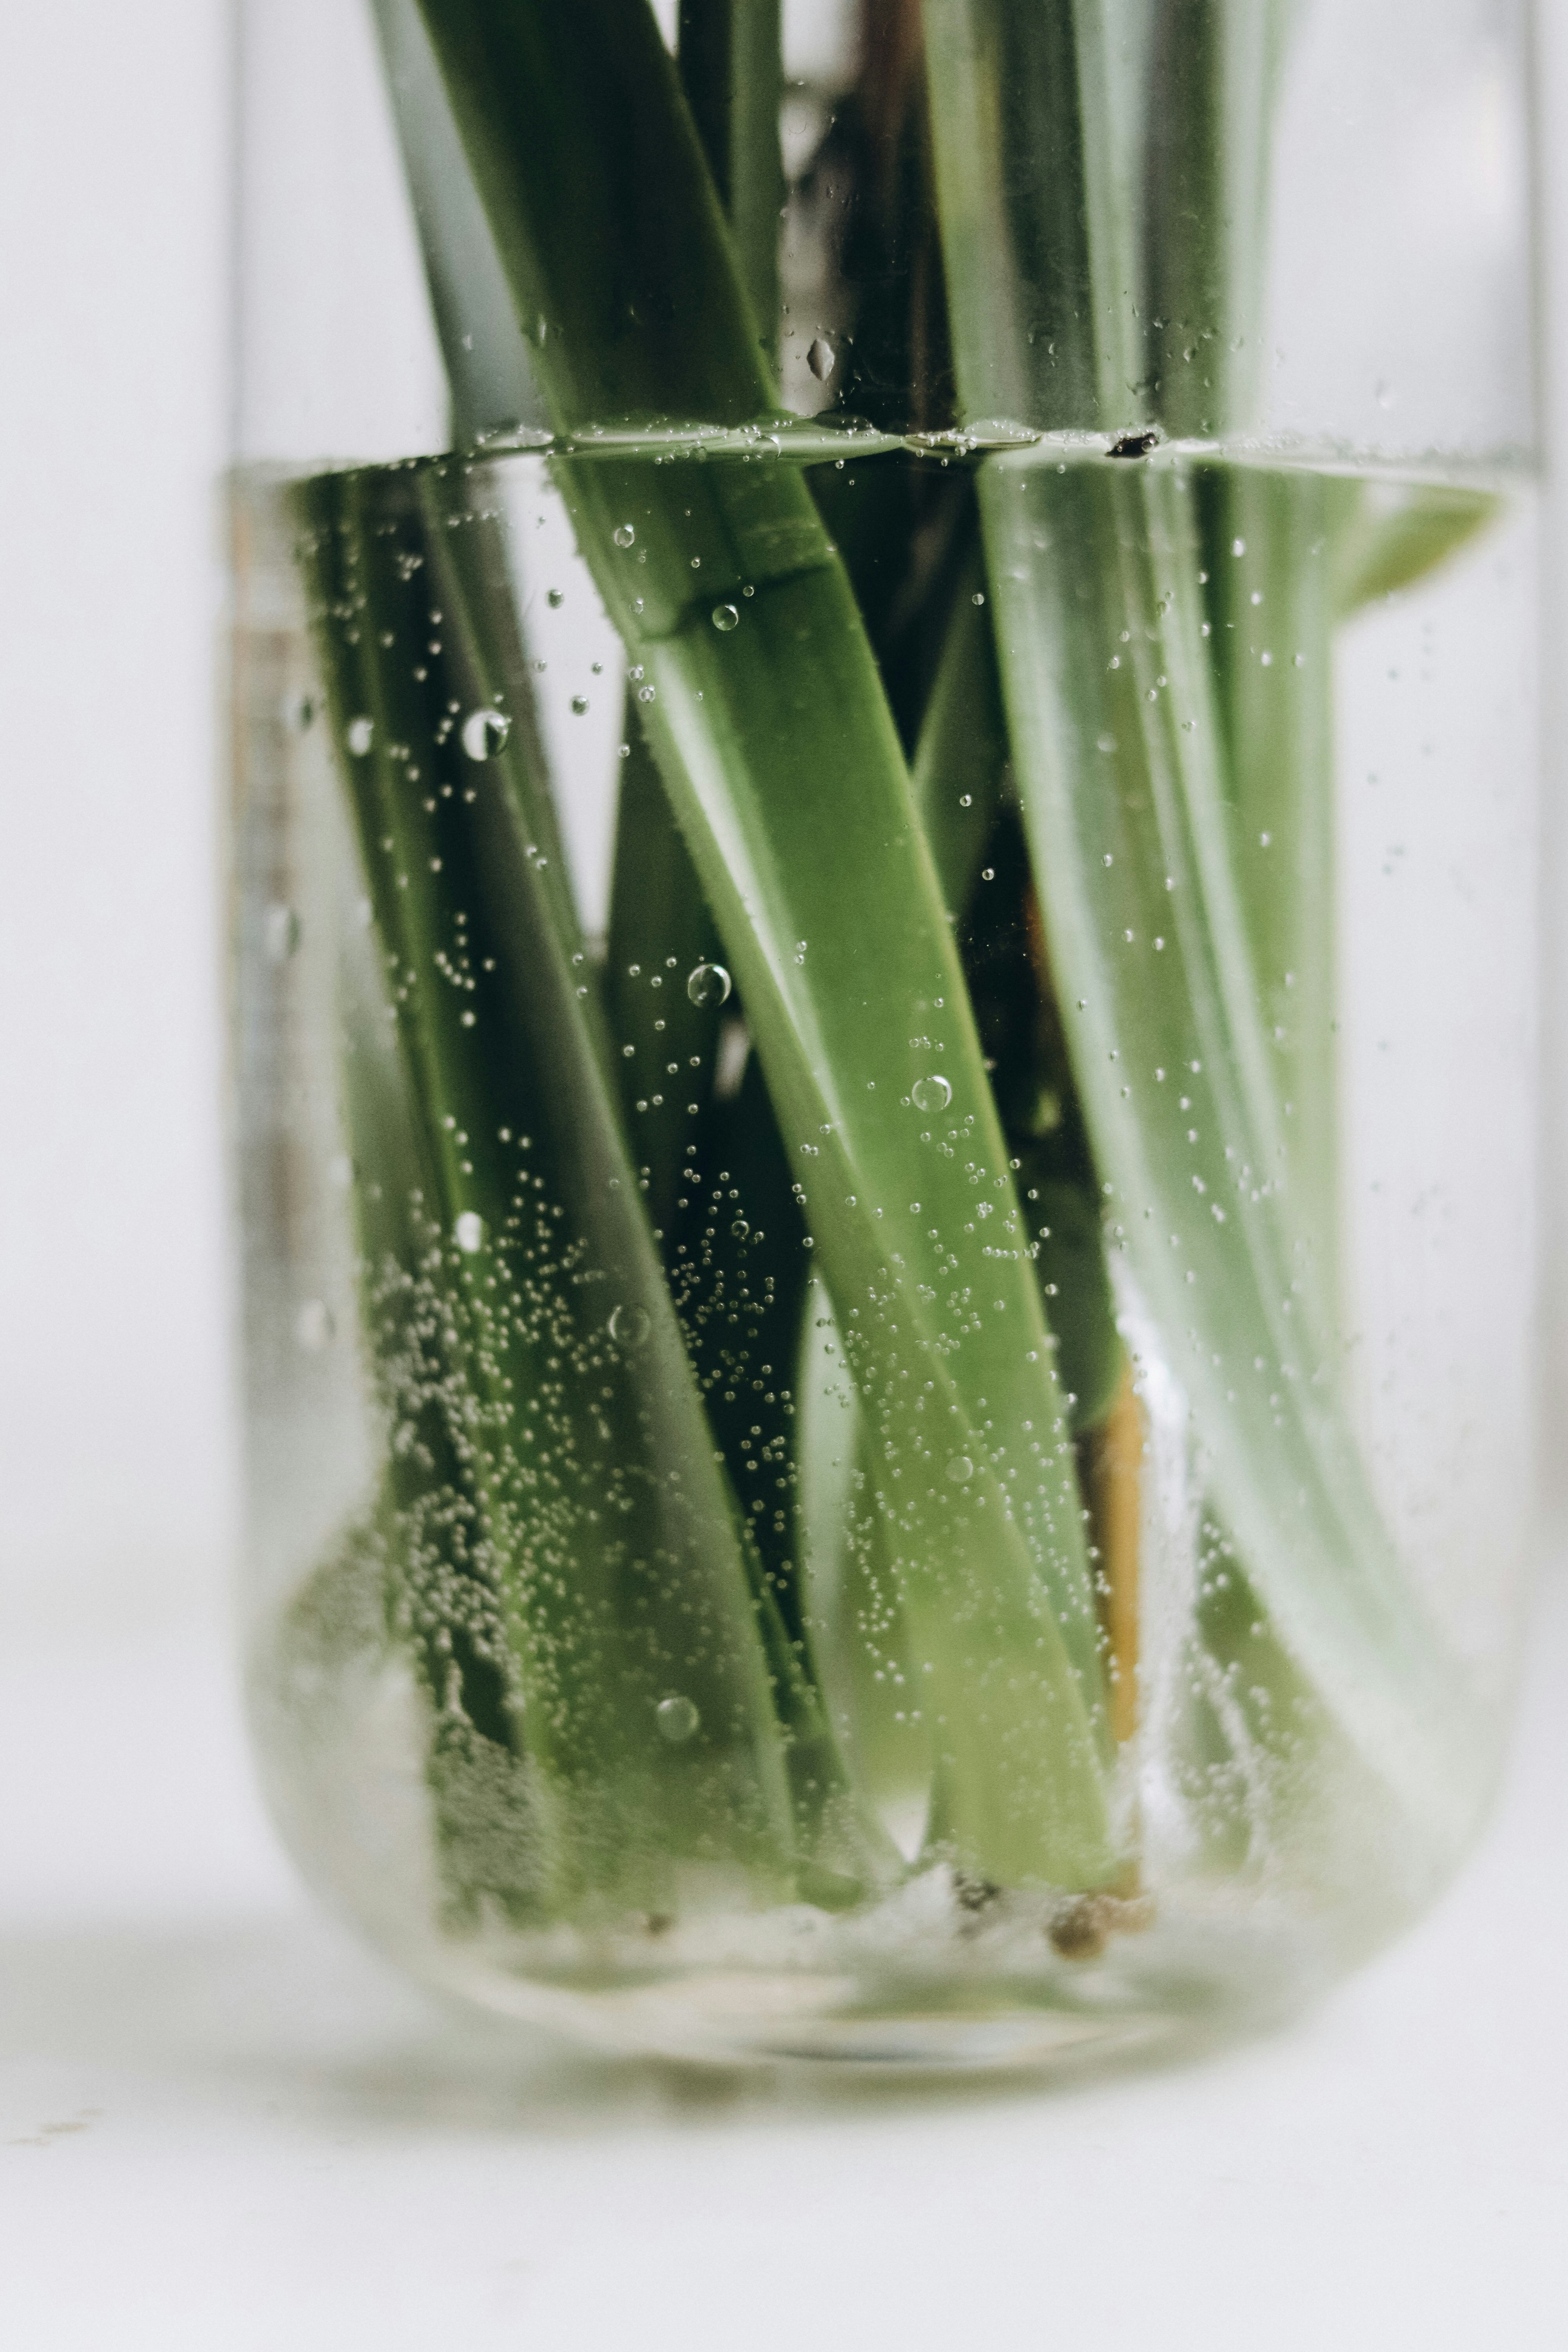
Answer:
(223, 2125)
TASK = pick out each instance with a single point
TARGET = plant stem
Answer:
(826, 901)
(1268, 541)
(1149, 937)
(1214, 74)
(485, 356)
(732, 68)
(617, 1548)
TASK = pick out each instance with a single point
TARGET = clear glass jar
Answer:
(885, 981)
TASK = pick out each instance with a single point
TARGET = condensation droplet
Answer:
(960, 1469)
(630, 1326)
(625, 535)
(484, 732)
(710, 984)
(821, 359)
(281, 927)
(468, 1232)
(930, 1093)
(313, 1327)
(725, 617)
(677, 1719)
(361, 736)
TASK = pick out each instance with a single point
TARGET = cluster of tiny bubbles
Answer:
(820, 359)
(930, 1093)
(485, 733)
(677, 1719)
(625, 535)
(630, 1326)
(710, 984)
(726, 617)
(468, 1232)
(313, 1327)
(960, 1469)
(361, 736)
(281, 929)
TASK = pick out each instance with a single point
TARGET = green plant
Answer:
(982, 1004)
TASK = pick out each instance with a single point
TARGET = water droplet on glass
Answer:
(726, 617)
(361, 736)
(468, 1232)
(580, 705)
(630, 1326)
(677, 1719)
(281, 927)
(313, 1327)
(930, 1093)
(484, 732)
(960, 1469)
(708, 985)
(820, 359)
(625, 535)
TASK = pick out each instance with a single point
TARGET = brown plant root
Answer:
(1110, 1464)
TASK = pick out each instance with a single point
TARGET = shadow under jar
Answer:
(884, 976)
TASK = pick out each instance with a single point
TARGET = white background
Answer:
(281, 2146)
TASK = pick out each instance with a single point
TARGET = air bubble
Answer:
(710, 984)
(361, 736)
(484, 733)
(630, 1326)
(556, 598)
(930, 1093)
(580, 705)
(468, 1232)
(725, 618)
(677, 1719)
(961, 1470)
(821, 359)
(625, 535)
